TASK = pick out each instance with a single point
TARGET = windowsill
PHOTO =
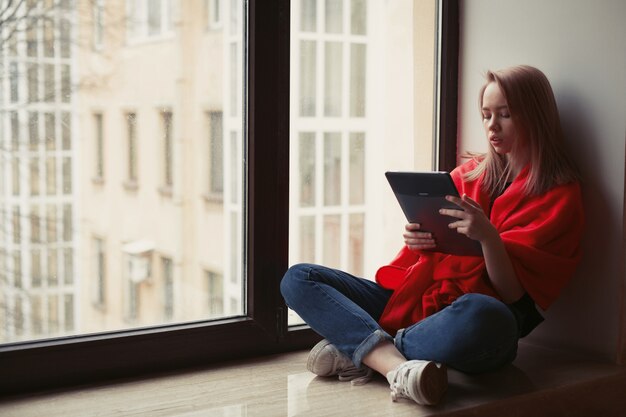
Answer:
(99, 181)
(541, 382)
(131, 185)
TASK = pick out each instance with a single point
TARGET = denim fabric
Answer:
(341, 307)
(476, 333)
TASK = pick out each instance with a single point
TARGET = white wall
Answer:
(581, 46)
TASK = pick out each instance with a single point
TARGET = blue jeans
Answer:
(476, 333)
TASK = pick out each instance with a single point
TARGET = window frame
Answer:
(72, 360)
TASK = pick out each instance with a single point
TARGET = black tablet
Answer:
(421, 195)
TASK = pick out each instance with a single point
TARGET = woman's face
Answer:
(497, 121)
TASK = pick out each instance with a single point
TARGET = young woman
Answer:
(427, 310)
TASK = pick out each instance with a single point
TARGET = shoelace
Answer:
(356, 376)
(399, 386)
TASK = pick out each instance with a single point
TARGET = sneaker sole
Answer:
(433, 383)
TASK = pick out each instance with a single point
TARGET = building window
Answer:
(51, 175)
(33, 130)
(99, 273)
(99, 148)
(149, 19)
(168, 150)
(68, 222)
(68, 309)
(14, 76)
(97, 12)
(216, 154)
(132, 300)
(33, 82)
(35, 228)
(50, 131)
(215, 293)
(213, 13)
(167, 271)
(131, 148)
(49, 83)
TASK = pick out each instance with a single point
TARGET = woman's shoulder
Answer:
(469, 165)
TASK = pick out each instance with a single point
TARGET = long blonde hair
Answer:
(534, 111)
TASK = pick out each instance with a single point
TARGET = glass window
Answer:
(51, 175)
(342, 212)
(148, 19)
(131, 147)
(98, 23)
(214, 13)
(51, 224)
(98, 283)
(168, 150)
(216, 153)
(215, 293)
(48, 37)
(58, 227)
(33, 82)
(49, 83)
(35, 228)
(14, 76)
(50, 131)
(167, 272)
(349, 128)
(99, 145)
(154, 17)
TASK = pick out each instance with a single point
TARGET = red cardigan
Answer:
(541, 235)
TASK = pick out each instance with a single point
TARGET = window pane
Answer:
(357, 168)
(89, 255)
(357, 80)
(168, 150)
(216, 154)
(307, 168)
(358, 17)
(308, 80)
(333, 16)
(332, 169)
(333, 78)
(374, 82)
(308, 15)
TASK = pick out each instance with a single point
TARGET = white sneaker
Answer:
(424, 382)
(326, 360)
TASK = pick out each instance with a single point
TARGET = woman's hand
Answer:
(471, 221)
(415, 239)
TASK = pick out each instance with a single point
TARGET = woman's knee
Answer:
(487, 314)
(293, 280)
